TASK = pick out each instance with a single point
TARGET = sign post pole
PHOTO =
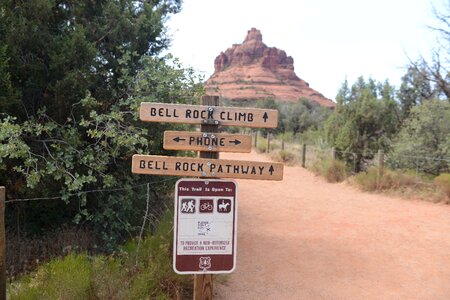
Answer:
(203, 283)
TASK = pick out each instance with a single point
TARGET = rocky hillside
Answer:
(253, 71)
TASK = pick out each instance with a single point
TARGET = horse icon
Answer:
(224, 205)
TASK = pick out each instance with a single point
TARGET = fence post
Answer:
(417, 169)
(2, 245)
(256, 139)
(380, 162)
(333, 152)
(268, 143)
(282, 143)
(304, 156)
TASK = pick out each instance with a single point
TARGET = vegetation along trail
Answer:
(304, 238)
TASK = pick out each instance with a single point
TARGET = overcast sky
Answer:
(329, 40)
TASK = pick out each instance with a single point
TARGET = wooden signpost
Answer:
(204, 141)
(209, 142)
(213, 115)
(208, 168)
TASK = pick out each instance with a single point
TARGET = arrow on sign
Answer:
(271, 169)
(265, 117)
(236, 142)
(178, 139)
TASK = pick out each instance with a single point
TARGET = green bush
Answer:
(331, 169)
(261, 145)
(388, 179)
(136, 272)
(425, 134)
(63, 278)
(284, 156)
(442, 183)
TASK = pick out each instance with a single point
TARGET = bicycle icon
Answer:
(206, 206)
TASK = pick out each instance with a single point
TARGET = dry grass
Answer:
(331, 169)
(24, 254)
(372, 180)
(442, 183)
(399, 183)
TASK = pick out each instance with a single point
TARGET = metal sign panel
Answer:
(205, 167)
(205, 226)
(202, 141)
(215, 115)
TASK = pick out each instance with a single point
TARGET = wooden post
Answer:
(2, 245)
(282, 143)
(256, 139)
(333, 152)
(380, 162)
(203, 283)
(304, 156)
(268, 143)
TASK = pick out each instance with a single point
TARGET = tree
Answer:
(415, 88)
(364, 120)
(437, 70)
(303, 115)
(424, 138)
(79, 70)
(58, 50)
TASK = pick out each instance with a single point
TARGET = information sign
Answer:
(203, 141)
(205, 226)
(206, 167)
(214, 115)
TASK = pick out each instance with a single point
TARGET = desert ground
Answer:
(304, 238)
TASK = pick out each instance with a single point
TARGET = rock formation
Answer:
(253, 71)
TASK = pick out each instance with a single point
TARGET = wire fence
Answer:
(24, 252)
(420, 169)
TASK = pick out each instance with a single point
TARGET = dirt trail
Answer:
(303, 238)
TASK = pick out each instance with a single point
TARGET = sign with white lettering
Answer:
(205, 226)
(214, 115)
(204, 167)
(203, 141)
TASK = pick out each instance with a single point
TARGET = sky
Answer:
(330, 41)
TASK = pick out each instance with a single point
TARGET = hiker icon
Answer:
(188, 206)
(224, 206)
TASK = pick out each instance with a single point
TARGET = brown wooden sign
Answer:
(214, 115)
(203, 167)
(203, 141)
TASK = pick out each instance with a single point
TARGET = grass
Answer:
(406, 184)
(128, 274)
(442, 183)
(331, 169)
(24, 253)
(372, 180)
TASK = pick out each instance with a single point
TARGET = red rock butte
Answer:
(253, 71)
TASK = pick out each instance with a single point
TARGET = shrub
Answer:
(331, 169)
(442, 183)
(284, 156)
(424, 134)
(63, 278)
(372, 181)
(143, 272)
(261, 145)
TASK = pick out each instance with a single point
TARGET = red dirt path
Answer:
(304, 238)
